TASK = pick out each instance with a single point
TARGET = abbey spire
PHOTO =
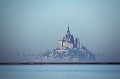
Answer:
(68, 28)
(68, 31)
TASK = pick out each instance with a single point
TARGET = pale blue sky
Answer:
(37, 25)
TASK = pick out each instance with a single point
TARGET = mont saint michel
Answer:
(68, 50)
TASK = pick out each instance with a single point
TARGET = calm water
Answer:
(60, 72)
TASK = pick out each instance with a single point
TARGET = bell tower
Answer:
(68, 31)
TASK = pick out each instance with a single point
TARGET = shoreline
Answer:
(48, 63)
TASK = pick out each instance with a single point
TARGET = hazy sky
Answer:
(37, 25)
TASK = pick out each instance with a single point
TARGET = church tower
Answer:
(68, 41)
(68, 31)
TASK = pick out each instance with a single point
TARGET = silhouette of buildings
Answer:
(69, 41)
(68, 50)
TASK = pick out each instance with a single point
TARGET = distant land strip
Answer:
(43, 63)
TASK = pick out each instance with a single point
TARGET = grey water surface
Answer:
(60, 71)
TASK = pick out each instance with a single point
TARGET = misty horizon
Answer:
(38, 25)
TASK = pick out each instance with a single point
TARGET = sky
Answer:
(37, 25)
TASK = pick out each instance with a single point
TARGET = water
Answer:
(60, 72)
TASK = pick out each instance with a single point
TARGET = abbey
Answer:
(68, 50)
(68, 41)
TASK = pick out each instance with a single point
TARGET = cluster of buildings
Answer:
(68, 50)
(68, 41)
